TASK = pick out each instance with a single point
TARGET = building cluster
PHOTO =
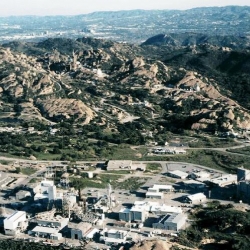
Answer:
(65, 216)
(124, 165)
(161, 150)
(164, 216)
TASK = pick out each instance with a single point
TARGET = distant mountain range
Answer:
(133, 26)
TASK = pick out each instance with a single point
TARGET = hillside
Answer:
(102, 82)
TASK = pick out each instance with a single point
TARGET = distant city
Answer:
(128, 26)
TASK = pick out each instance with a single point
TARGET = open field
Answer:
(208, 158)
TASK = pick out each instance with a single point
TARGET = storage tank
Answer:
(90, 175)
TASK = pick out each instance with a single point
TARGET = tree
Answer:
(78, 184)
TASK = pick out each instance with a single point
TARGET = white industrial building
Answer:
(161, 188)
(79, 230)
(138, 213)
(195, 198)
(15, 223)
(224, 180)
(173, 222)
(141, 209)
(48, 225)
(46, 232)
(47, 190)
(178, 174)
(154, 195)
(164, 209)
(113, 236)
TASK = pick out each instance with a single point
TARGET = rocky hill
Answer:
(92, 81)
(189, 39)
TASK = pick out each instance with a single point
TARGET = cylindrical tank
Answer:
(90, 175)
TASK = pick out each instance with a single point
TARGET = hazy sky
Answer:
(72, 7)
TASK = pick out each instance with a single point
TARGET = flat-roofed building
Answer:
(164, 209)
(224, 180)
(15, 223)
(161, 188)
(113, 236)
(79, 230)
(125, 214)
(51, 221)
(195, 198)
(119, 165)
(178, 174)
(138, 213)
(154, 195)
(175, 222)
(46, 232)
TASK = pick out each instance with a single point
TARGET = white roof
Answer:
(138, 209)
(225, 179)
(91, 234)
(47, 183)
(15, 216)
(146, 203)
(197, 196)
(166, 209)
(179, 173)
(162, 186)
(125, 210)
(48, 230)
(154, 194)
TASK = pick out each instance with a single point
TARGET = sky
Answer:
(75, 7)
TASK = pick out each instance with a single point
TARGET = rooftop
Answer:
(16, 216)
(175, 217)
(224, 179)
(196, 196)
(45, 230)
(178, 173)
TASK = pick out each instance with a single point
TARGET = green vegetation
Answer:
(4, 162)
(102, 181)
(153, 167)
(244, 151)
(99, 181)
(131, 184)
(28, 171)
(10, 244)
(209, 158)
(220, 223)
(212, 142)
(33, 180)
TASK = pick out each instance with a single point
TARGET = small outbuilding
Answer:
(178, 174)
(79, 230)
(195, 198)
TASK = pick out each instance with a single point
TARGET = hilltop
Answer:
(95, 81)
